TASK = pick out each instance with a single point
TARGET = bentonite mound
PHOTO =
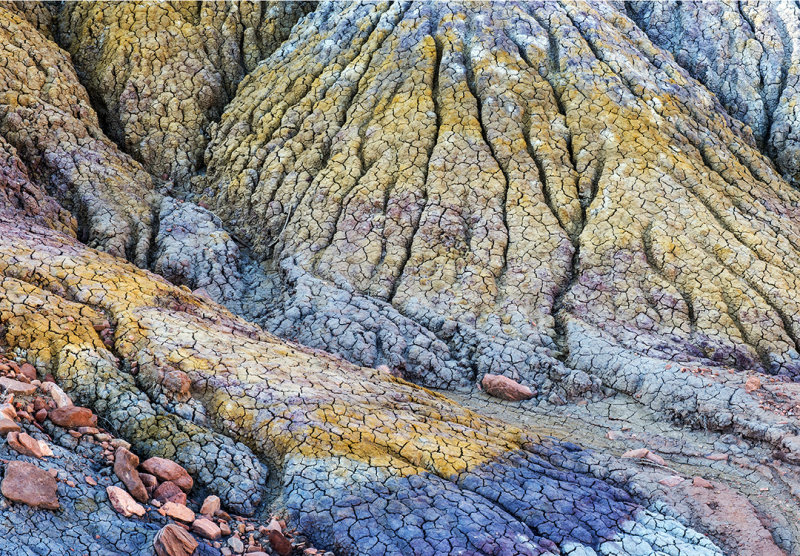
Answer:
(594, 200)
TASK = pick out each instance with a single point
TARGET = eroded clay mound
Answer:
(437, 190)
(160, 72)
(45, 114)
(748, 54)
(367, 463)
(483, 167)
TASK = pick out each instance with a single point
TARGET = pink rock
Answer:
(123, 503)
(206, 528)
(55, 392)
(27, 484)
(149, 481)
(45, 448)
(671, 481)
(716, 456)
(7, 426)
(701, 482)
(638, 453)
(7, 410)
(178, 511)
(655, 458)
(169, 492)
(16, 386)
(28, 371)
(210, 505)
(505, 388)
(24, 444)
(752, 384)
(167, 470)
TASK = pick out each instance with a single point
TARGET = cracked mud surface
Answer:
(341, 203)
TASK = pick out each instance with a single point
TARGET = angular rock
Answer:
(505, 388)
(125, 463)
(636, 453)
(279, 543)
(671, 481)
(16, 387)
(169, 492)
(72, 417)
(28, 371)
(173, 540)
(55, 392)
(45, 448)
(655, 458)
(7, 410)
(206, 528)
(149, 481)
(24, 444)
(210, 505)
(752, 384)
(168, 470)
(7, 426)
(178, 511)
(123, 503)
(28, 484)
(701, 482)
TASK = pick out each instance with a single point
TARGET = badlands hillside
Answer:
(400, 278)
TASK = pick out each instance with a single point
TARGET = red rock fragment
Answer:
(16, 387)
(27, 484)
(716, 456)
(169, 492)
(28, 371)
(277, 540)
(24, 444)
(206, 528)
(638, 453)
(178, 511)
(7, 426)
(655, 458)
(752, 384)
(701, 482)
(8, 410)
(167, 470)
(149, 481)
(122, 502)
(505, 388)
(210, 505)
(40, 415)
(671, 481)
(125, 464)
(72, 417)
(172, 540)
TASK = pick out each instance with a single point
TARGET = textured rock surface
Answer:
(442, 191)
(748, 54)
(45, 114)
(160, 72)
(365, 442)
(492, 172)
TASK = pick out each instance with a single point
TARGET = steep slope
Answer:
(46, 116)
(496, 172)
(446, 189)
(748, 54)
(161, 72)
